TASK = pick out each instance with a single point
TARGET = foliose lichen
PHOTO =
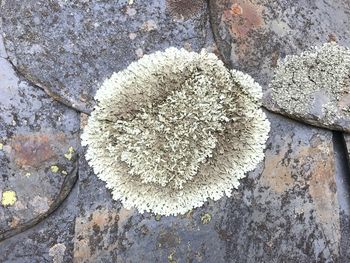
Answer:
(174, 129)
(315, 84)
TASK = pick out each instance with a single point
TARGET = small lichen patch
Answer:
(64, 172)
(69, 154)
(27, 174)
(9, 198)
(315, 85)
(206, 218)
(1, 146)
(54, 168)
(158, 217)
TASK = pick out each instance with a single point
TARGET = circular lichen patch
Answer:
(174, 129)
(8, 198)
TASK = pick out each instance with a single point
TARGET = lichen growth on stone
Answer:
(8, 198)
(1, 146)
(315, 83)
(206, 218)
(54, 168)
(175, 129)
(69, 154)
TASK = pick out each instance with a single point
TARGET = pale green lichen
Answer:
(206, 218)
(315, 84)
(1, 146)
(8, 198)
(54, 168)
(175, 129)
(64, 172)
(69, 154)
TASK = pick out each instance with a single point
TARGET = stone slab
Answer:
(50, 241)
(69, 47)
(253, 34)
(287, 209)
(38, 143)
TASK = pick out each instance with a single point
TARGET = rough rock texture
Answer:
(253, 34)
(313, 87)
(38, 138)
(69, 47)
(287, 209)
(347, 142)
(50, 241)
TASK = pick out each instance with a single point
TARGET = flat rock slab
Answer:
(69, 47)
(50, 241)
(253, 34)
(286, 209)
(38, 142)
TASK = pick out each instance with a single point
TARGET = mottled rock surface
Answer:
(286, 209)
(347, 142)
(38, 140)
(50, 241)
(69, 47)
(253, 34)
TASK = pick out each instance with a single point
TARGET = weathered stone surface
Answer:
(286, 210)
(69, 47)
(253, 34)
(50, 241)
(38, 139)
(347, 142)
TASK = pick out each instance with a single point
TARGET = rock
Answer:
(69, 47)
(38, 142)
(49, 241)
(347, 142)
(252, 35)
(287, 208)
(313, 87)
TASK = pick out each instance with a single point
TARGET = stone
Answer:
(36, 133)
(287, 208)
(51, 240)
(347, 142)
(69, 47)
(253, 34)
(313, 87)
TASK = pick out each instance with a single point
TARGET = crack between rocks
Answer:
(65, 191)
(51, 94)
(342, 169)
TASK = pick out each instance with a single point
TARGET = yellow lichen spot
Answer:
(69, 154)
(130, 2)
(54, 168)
(206, 218)
(28, 174)
(158, 217)
(1, 146)
(8, 198)
(64, 172)
(171, 257)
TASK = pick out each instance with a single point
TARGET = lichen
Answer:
(54, 168)
(1, 146)
(9, 198)
(206, 218)
(69, 154)
(175, 129)
(314, 83)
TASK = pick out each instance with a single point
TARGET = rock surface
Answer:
(286, 209)
(38, 139)
(69, 47)
(50, 241)
(347, 142)
(253, 34)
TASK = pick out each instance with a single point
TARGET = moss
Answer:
(9, 198)
(175, 129)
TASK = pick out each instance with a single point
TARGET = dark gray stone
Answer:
(38, 142)
(286, 210)
(252, 35)
(50, 241)
(69, 47)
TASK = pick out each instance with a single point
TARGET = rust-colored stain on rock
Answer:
(32, 150)
(242, 17)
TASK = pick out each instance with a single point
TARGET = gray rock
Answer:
(50, 241)
(252, 35)
(69, 47)
(38, 142)
(286, 209)
(347, 142)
